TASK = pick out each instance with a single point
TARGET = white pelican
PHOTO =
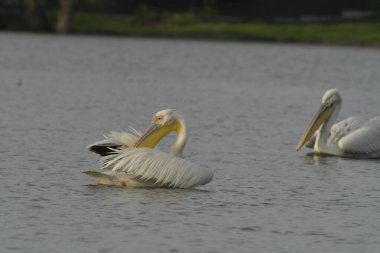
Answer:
(130, 160)
(353, 137)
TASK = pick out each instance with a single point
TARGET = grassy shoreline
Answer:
(355, 33)
(360, 33)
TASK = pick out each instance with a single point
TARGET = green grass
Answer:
(364, 32)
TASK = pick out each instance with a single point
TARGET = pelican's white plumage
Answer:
(354, 137)
(130, 159)
(155, 168)
(363, 140)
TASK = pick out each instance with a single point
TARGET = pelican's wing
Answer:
(114, 140)
(363, 140)
(157, 168)
(344, 128)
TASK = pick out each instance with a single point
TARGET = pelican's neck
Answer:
(179, 145)
(321, 144)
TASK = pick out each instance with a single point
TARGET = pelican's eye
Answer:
(159, 119)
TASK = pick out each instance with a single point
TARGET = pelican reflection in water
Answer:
(353, 137)
(131, 160)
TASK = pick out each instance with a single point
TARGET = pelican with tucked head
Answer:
(131, 160)
(353, 137)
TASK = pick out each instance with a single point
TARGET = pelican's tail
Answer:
(100, 178)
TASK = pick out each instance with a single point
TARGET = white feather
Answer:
(156, 168)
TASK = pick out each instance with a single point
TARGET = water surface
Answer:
(246, 106)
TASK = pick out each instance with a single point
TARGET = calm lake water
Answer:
(246, 106)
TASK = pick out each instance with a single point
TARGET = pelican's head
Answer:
(163, 122)
(331, 97)
(330, 101)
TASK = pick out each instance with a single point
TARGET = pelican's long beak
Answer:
(154, 134)
(321, 116)
(146, 134)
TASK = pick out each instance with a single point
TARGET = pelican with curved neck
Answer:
(163, 123)
(130, 160)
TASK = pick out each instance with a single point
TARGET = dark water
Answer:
(246, 105)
